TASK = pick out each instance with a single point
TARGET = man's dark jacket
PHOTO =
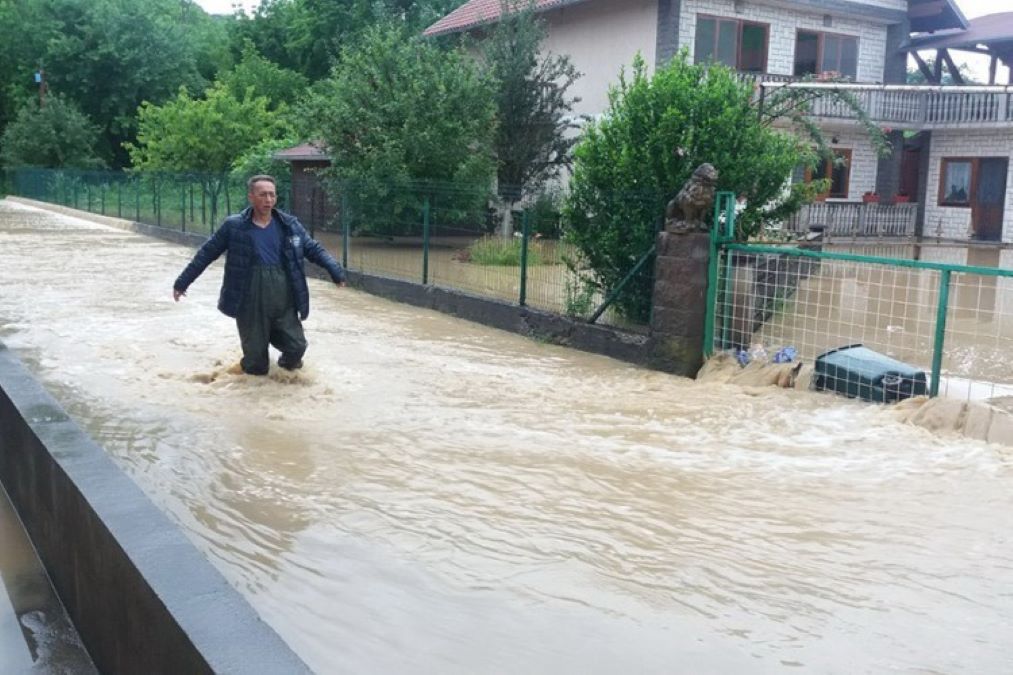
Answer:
(234, 236)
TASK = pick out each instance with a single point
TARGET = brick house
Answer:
(950, 173)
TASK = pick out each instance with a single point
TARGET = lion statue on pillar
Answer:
(690, 210)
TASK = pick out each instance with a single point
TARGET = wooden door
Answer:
(989, 198)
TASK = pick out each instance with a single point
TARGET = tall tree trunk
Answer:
(506, 219)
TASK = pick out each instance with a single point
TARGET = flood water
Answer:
(432, 496)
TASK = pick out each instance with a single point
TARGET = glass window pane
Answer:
(754, 48)
(806, 50)
(831, 54)
(839, 176)
(703, 49)
(957, 183)
(849, 58)
(728, 42)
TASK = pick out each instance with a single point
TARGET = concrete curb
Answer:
(142, 598)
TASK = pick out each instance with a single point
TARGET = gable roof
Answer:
(476, 13)
(312, 151)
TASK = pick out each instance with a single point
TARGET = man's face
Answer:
(262, 197)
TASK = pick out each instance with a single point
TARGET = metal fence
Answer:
(438, 234)
(953, 321)
(855, 219)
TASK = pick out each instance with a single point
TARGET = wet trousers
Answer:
(268, 317)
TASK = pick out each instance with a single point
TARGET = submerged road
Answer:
(432, 496)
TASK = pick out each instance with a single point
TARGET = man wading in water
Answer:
(264, 288)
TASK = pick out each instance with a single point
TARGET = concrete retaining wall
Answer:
(143, 599)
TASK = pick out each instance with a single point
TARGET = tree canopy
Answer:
(534, 133)
(202, 134)
(56, 135)
(399, 108)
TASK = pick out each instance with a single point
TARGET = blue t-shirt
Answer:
(267, 242)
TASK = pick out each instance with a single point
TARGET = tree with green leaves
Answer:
(280, 86)
(56, 135)
(399, 112)
(309, 36)
(204, 135)
(108, 56)
(534, 134)
(656, 131)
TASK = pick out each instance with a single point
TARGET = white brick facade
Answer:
(955, 222)
(784, 25)
(863, 162)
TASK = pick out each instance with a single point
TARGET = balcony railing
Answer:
(856, 219)
(912, 106)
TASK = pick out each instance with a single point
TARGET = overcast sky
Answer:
(971, 9)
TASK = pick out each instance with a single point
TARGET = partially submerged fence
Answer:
(954, 321)
(425, 232)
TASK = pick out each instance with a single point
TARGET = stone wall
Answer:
(142, 598)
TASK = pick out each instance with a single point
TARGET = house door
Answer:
(910, 163)
(989, 198)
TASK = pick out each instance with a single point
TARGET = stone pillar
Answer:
(680, 301)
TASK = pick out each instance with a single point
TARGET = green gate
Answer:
(953, 320)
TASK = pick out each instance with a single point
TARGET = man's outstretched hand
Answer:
(176, 295)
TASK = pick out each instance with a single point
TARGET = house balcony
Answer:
(901, 106)
(855, 219)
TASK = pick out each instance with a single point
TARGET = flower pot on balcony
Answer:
(870, 198)
(902, 199)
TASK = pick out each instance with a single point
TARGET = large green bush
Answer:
(656, 131)
(402, 121)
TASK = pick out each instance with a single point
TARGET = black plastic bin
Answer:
(858, 372)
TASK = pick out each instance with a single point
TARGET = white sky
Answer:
(971, 9)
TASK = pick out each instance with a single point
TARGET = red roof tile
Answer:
(477, 12)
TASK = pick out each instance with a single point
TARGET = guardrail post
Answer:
(940, 332)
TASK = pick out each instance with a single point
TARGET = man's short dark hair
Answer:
(260, 177)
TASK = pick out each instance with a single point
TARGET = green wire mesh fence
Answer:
(445, 235)
(949, 312)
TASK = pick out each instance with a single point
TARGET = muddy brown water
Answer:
(432, 496)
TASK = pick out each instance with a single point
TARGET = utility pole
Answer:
(40, 79)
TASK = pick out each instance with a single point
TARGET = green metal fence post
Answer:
(137, 199)
(158, 200)
(346, 227)
(87, 195)
(425, 241)
(726, 296)
(102, 193)
(940, 336)
(119, 198)
(182, 206)
(712, 276)
(525, 231)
